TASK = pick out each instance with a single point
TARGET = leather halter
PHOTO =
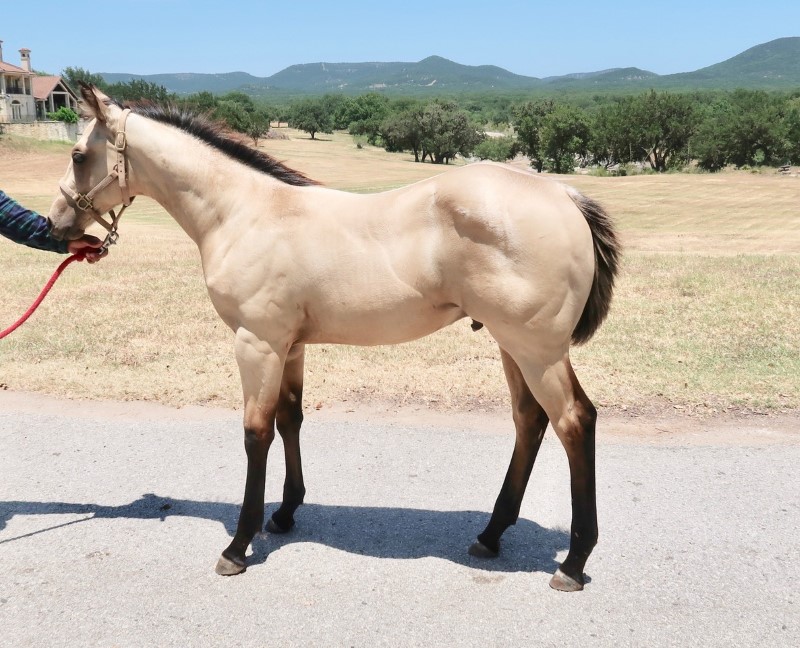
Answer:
(84, 201)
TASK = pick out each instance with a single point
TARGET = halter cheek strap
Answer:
(120, 144)
(84, 201)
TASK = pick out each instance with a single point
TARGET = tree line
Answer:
(237, 109)
(659, 130)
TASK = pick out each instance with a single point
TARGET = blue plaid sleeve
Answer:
(26, 227)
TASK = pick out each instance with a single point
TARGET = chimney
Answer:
(1, 51)
(25, 58)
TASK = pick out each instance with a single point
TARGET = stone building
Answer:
(26, 96)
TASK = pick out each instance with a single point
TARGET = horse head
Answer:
(96, 179)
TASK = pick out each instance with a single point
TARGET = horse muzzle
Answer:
(63, 221)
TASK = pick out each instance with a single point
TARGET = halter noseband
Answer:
(84, 201)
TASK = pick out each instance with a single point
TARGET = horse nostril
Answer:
(54, 232)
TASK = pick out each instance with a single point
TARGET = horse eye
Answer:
(78, 157)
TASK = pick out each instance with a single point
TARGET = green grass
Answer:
(10, 143)
(708, 332)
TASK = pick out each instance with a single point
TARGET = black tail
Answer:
(607, 252)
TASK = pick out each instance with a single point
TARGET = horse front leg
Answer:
(260, 367)
(288, 421)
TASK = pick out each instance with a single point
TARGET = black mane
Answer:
(216, 135)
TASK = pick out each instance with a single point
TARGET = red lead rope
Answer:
(42, 295)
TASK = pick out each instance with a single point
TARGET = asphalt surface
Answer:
(111, 521)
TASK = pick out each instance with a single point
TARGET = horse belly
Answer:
(402, 322)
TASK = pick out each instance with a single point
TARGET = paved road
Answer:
(111, 520)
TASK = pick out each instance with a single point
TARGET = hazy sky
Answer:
(261, 37)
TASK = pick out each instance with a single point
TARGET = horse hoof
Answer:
(226, 567)
(480, 550)
(274, 527)
(563, 583)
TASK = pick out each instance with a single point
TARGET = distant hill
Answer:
(773, 65)
(432, 72)
(188, 82)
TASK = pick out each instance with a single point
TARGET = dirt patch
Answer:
(30, 173)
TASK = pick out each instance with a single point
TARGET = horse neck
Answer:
(192, 181)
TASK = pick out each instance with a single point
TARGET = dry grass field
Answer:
(704, 320)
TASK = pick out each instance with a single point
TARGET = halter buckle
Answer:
(120, 142)
(83, 202)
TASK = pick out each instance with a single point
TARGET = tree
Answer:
(237, 110)
(234, 114)
(654, 128)
(564, 135)
(710, 142)
(497, 149)
(73, 76)
(661, 126)
(311, 116)
(335, 105)
(364, 115)
(446, 132)
(611, 140)
(757, 128)
(402, 130)
(200, 102)
(747, 128)
(244, 100)
(280, 112)
(139, 90)
(133, 90)
(528, 120)
(258, 125)
(438, 130)
(793, 131)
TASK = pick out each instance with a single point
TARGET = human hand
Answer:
(89, 246)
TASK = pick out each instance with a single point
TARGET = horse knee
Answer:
(586, 415)
(257, 438)
(289, 417)
(529, 415)
(576, 426)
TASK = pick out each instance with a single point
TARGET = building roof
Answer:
(43, 85)
(7, 67)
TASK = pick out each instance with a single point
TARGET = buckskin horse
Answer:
(288, 263)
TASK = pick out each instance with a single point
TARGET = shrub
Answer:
(64, 114)
(498, 149)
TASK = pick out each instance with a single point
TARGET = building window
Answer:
(16, 110)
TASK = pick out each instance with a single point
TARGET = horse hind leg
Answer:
(530, 421)
(288, 421)
(573, 417)
(555, 387)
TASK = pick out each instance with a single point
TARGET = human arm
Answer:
(27, 227)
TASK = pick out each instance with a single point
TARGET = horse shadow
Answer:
(380, 532)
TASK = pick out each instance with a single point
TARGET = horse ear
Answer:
(95, 103)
